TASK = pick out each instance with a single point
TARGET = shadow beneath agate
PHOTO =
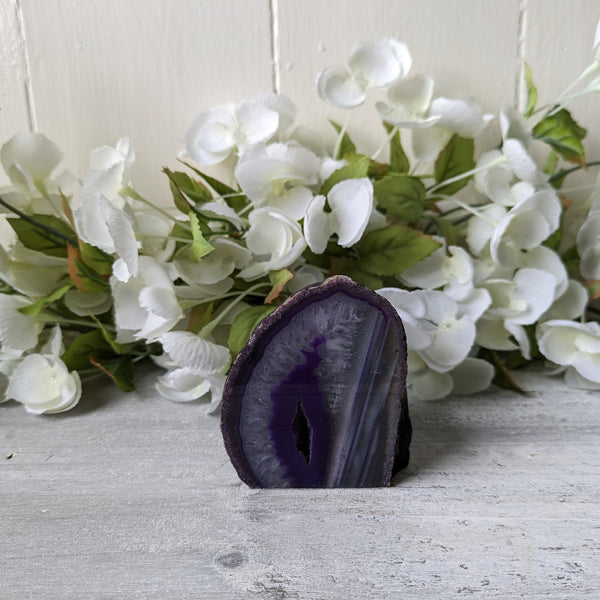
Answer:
(447, 432)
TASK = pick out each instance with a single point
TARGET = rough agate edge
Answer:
(317, 398)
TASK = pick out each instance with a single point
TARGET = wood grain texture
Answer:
(469, 47)
(142, 69)
(14, 115)
(131, 496)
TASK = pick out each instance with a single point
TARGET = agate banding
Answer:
(317, 398)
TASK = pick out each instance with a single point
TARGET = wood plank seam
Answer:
(275, 59)
(31, 114)
(519, 101)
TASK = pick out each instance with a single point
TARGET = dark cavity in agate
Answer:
(317, 398)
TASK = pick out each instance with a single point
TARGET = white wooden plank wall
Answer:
(86, 72)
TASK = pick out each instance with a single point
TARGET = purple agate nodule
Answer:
(317, 398)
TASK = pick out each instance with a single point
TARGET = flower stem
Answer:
(341, 134)
(495, 163)
(388, 138)
(565, 172)
(47, 228)
(209, 328)
(129, 191)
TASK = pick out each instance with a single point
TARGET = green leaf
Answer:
(200, 246)
(347, 146)
(350, 267)
(503, 377)
(232, 197)
(401, 196)
(119, 369)
(563, 134)
(85, 278)
(391, 250)
(200, 316)
(244, 324)
(96, 259)
(532, 94)
(455, 159)
(398, 160)
(184, 188)
(278, 279)
(111, 340)
(357, 168)
(77, 355)
(33, 310)
(36, 237)
(446, 229)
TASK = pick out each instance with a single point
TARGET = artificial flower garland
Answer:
(489, 261)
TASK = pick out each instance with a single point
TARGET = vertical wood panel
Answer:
(558, 46)
(13, 76)
(141, 68)
(470, 46)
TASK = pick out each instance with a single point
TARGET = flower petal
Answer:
(210, 138)
(351, 203)
(471, 376)
(337, 86)
(256, 123)
(32, 154)
(190, 350)
(379, 63)
(317, 225)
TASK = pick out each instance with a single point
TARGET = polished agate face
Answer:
(318, 397)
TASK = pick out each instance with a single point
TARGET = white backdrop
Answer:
(86, 72)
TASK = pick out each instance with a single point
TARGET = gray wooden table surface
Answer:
(132, 496)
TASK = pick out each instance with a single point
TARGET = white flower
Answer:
(481, 227)
(515, 303)
(463, 117)
(275, 241)
(452, 333)
(83, 303)
(575, 346)
(408, 103)
(351, 204)
(29, 159)
(496, 181)
(214, 134)
(303, 276)
(470, 376)
(17, 331)
(570, 304)
(100, 223)
(411, 307)
(145, 305)
(282, 105)
(451, 266)
(525, 226)
(588, 246)
(196, 368)
(42, 382)
(30, 272)
(436, 326)
(109, 171)
(433, 121)
(153, 229)
(279, 175)
(185, 385)
(371, 65)
(215, 266)
(517, 139)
